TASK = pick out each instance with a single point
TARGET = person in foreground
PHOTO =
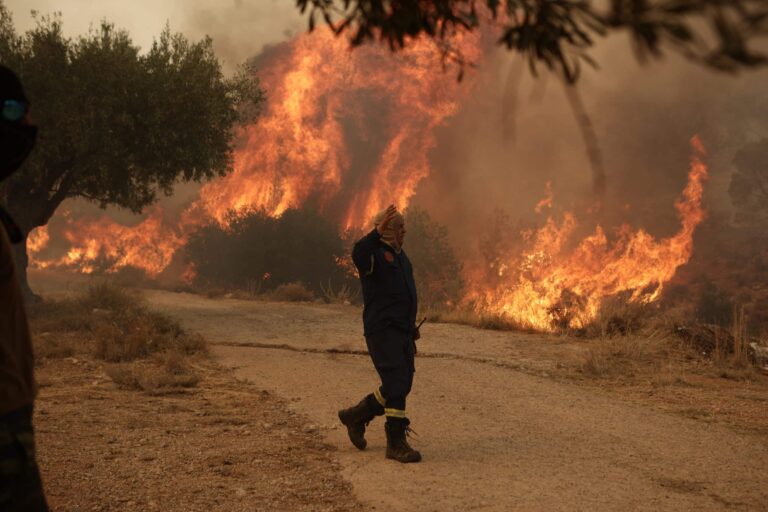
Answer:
(20, 485)
(389, 320)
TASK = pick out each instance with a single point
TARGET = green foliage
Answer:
(116, 125)
(300, 245)
(436, 270)
(559, 33)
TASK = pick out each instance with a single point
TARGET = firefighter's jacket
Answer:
(389, 291)
(17, 384)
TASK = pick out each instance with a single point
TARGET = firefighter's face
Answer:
(400, 234)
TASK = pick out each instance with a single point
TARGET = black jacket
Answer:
(389, 291)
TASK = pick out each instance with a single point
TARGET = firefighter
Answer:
(389, 321)
(20, 485)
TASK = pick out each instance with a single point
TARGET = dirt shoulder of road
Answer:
(659, 373)
(222, 445)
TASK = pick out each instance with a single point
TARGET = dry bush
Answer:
(291, 292)
(112, 343)
(67, 315)
(111, 324)
(436, 268)
(619, 317)
(106, 296)
(259, 252)
(732, 354)
(48, 346)
(215, 292)
(465, 316)
(344, 294)
(116, 326)
(626, 356)
(168, 372)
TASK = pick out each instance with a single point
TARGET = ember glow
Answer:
(557, 283)
(345, 131)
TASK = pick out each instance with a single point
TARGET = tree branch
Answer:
(590, 141)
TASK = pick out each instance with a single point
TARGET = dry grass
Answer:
(344, 294)
(288, 292)
(731, 355)
(465, 316)
(166, 373)
(621, 318)
(627, 356)
(149, 350)
(640, 341)
(291, 292)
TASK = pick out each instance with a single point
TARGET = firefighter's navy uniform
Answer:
(389, 317)
(389, 320)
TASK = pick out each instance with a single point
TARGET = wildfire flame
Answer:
(325, 103)
(549, 286)
(149, 245)
(343, 130)
(348, 131)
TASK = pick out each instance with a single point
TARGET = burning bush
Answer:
(259, 253)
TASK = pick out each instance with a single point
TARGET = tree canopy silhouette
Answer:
(559, 33)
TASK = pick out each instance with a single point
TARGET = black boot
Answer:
(357, 417)
(397, 446)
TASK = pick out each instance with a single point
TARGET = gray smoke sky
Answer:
(239, 28)
(644, 116)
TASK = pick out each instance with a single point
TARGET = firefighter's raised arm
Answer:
(362, 252)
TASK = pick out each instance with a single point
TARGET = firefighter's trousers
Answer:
(392, 351)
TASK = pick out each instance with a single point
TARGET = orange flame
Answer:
(149, 245)
(301, 150)
(546, 202)
(38, 238)
(346, 131)
(549, 286)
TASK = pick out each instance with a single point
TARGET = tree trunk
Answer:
(21, 259)
(29, 211)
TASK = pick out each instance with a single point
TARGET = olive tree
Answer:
(117, 126)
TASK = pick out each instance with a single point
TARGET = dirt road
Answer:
(494, 433)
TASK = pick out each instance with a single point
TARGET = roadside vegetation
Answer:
(285, 258)
(140, 349)
(698, 326)
(128, 407)
(302, 257)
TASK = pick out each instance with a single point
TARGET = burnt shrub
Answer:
(292, 292)
(259, 252)
(714, 306)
